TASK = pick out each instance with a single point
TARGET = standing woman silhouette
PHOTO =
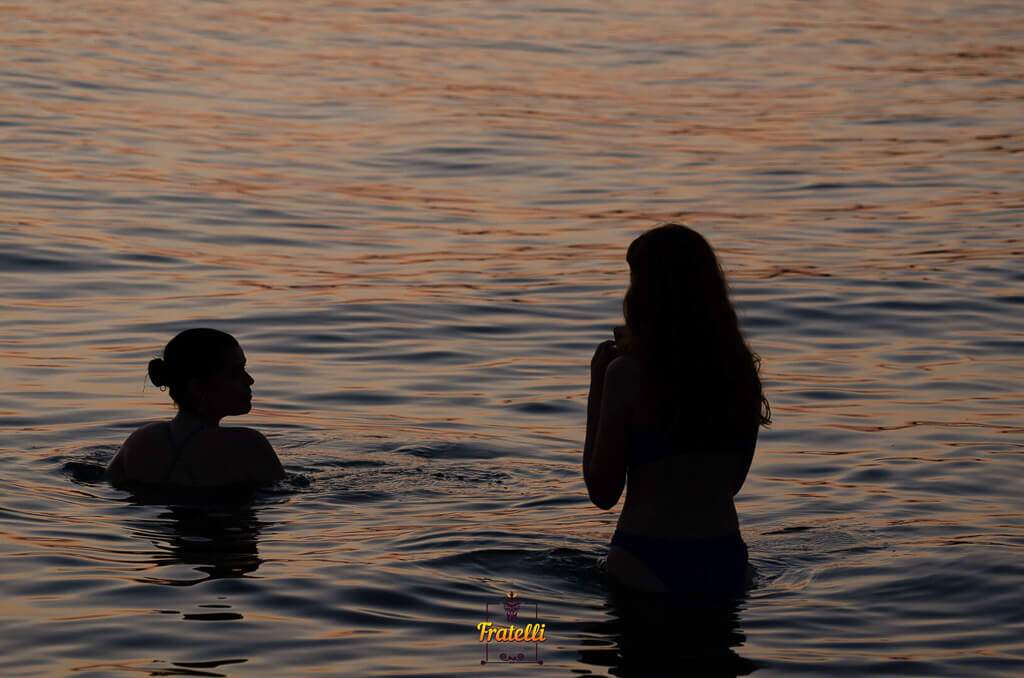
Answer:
(673, 414)
(204, 370)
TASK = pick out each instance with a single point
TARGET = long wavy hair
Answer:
(681, 325)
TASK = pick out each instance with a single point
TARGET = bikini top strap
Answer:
(178, 450)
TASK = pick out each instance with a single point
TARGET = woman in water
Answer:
(204, 370)
(674, 409)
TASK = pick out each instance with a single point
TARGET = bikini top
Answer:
(178, 450)
(647, 445)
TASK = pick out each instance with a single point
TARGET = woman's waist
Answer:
(700, 552)
(679, 521)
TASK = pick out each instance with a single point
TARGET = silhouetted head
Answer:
(204, 370)
(681, 324)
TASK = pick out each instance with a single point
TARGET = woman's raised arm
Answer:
(604, 452)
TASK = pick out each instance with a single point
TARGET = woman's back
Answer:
(677, 487)
(161, 454)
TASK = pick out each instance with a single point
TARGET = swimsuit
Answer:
(178, 450)
(702, 567)
(648, 445)
(710, 567)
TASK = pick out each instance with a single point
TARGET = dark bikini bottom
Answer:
(697, 566)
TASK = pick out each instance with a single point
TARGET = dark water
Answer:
(414, 217)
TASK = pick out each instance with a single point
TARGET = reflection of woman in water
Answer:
(204, 370)
(674, 409)
(219, 540)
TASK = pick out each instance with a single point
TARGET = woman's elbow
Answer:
(604, 485)
(604, 500)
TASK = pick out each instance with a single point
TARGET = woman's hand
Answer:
(604, 354)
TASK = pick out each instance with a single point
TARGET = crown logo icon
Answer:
(511, 607)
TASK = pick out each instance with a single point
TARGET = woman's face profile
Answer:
(228, 391)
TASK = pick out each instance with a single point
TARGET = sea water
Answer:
(414, 218)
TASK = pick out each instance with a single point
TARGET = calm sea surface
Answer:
(414, 217)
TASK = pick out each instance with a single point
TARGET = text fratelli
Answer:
(533, 633)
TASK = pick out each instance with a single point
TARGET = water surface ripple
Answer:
(414, 217)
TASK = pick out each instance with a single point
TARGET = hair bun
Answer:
(159, 372)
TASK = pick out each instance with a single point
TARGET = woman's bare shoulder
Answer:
(625, 374)
(147, 433)
(143, 448)
(242, 443)
(149, 439)
(249, 453)
(239, 436)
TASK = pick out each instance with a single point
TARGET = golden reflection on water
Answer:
(415, 220)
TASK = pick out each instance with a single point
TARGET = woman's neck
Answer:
(190, 420)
